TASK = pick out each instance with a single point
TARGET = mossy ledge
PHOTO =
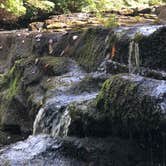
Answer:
(128, 106)
(132, 103)
(15, 106)
(22, 92)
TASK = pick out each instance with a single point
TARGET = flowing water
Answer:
(131, 34)
(53, 118)
(134, 58)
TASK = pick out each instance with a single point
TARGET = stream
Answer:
(98, 98)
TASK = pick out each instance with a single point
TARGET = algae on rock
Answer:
(130, 102)
(54, 66)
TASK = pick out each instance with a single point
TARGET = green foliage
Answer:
(69, 5)
(155, 2)
(35, 8)
(41, 4)
(12, 80)
(14, 6)
(28, 8)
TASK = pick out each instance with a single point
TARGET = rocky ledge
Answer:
(68, 84)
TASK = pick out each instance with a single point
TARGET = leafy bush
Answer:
(69, 5)
(41, 4)
(37, 8)
(29, 8)
(14, 6)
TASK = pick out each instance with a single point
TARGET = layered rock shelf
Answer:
(88, 97)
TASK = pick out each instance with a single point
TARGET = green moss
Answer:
(54, 65)
(5, 78)
(1, 81)
(112, 90)
(87, 59)
(130, 88)
(90, 49)
(102, 100)
(13, 88)
(11, 81)
(127, 104)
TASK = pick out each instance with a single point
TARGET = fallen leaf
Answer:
(113, 51)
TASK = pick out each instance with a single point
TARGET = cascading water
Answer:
(53, 118)
(134, 57)
(57, 122)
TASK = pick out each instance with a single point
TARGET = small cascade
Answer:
(52, 121)
(134, 57)
(61, 128)
(53, 118)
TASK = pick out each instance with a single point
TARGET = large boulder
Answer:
(127, 105)
(134, 103)
(88, 47)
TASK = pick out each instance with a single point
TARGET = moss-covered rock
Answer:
(88, 47)
(15, 102)
(151, 46)
(54, 66)
(127, 105)
(87, 121)
(73, 151)
(88, 84)
(24, 44)
(134, 104)
(22, 90)
(91, 49)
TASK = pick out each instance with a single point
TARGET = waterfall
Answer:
(54, 121)
(134, 57)
(60, 127)
(37, 120)
(54, 118)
